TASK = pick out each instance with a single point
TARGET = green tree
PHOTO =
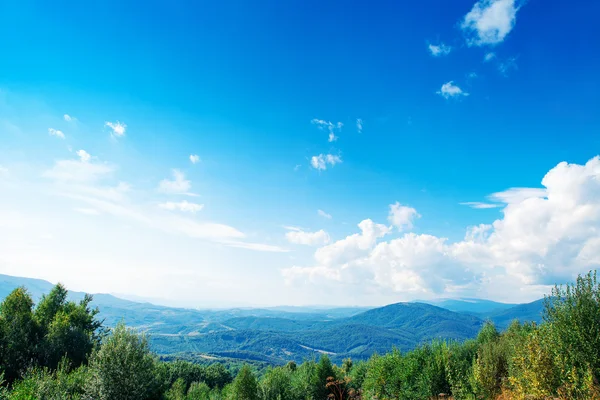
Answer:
(323, 372)
(19, 334)
(245, 386)
(68, 329)
(276, 384)
(123, 368)
(198, 391)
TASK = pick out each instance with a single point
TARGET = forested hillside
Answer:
(58, 349)
(277, 335)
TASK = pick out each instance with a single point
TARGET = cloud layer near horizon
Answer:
(545, 236)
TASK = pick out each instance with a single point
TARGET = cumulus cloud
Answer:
(324, 214)
(84, 156)
(544, 236)
(117, 128)
(439, 50)
(317, 238)
(489, 22)
(331, 127)
(183, 206)
(177, 185)
(56, 132)
(194, 158)
(402, 217)
(359, 125)
(321, 161)
(449, 89)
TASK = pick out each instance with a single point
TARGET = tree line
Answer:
(58, 349)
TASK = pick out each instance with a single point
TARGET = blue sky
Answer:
(456, 101)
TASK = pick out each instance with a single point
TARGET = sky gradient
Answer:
(300, 152)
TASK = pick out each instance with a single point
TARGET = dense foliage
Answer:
(58, 350)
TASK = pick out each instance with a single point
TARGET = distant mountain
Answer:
(279, 334)
(425, 321)
(523, 312)
(472, 306)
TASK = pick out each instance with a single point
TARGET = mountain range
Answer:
(279, 334)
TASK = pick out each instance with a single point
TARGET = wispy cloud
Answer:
(78, 171)
(194, 158)
(183, 206)
(117, 128)
(331, 127)
(518, 194)
(489, 22)
(480, 205)
(3, 171)
(489, 56)
(177, 185)
(87, 211)
(324, 214)
(56, 132)
(359, 125)
(321, 161)
(439, 50)
(506, 66)
(318, 238)
(69, 118)
(449, 90)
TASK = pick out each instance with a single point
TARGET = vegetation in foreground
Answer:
(58, 349)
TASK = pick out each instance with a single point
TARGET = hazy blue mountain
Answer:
(425, 321)
(467, 305)
(522, 312)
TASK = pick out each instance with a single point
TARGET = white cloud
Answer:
(56, 132)
(353, 246)
(118, 129)
(84, 156)
(297, 167)
(544, 236)
(324, 214)
(194, 158)
(439, 50)
(3, 171)
(329, 126)
(489, 56)
(480, 205)
(518, 195)
(69, 118)
(78, 171)
(178, 185)
(359, 125)
(321, 161)
(402, 217)
(489, 21)
(317, 238)
(449, 90)
(183, 206)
